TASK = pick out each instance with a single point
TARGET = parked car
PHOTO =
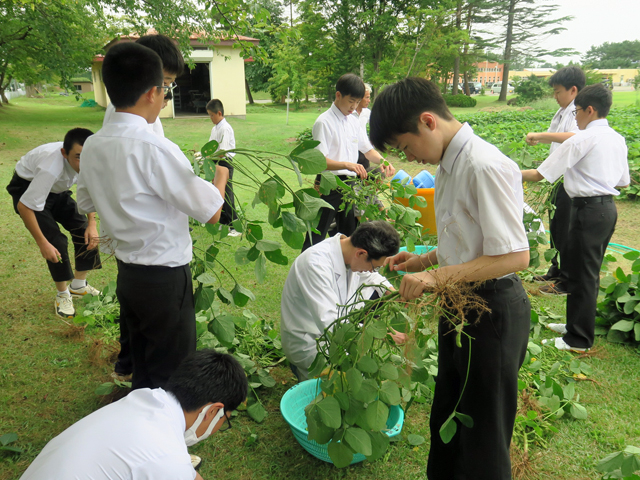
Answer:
(477, 85)
(497, 88)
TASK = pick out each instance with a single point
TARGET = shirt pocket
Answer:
(452, 233)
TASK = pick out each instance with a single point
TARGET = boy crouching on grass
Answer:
(144, 189)
(41, 193)
(481, 238)
(594, 165)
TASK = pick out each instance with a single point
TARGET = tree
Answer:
(614, 55)
(525, 24)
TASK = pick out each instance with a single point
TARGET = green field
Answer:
(50, 370)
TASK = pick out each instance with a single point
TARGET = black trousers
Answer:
(559, 228)
(60, 208)
(593, 221)
(497, 347)
(346, 222)
(156, 304)
(228, 213)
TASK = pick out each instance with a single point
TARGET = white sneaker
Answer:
(196, 462)
(233, 232)
(560, 328)
(560, 344)
(86, 290)
(64, 306)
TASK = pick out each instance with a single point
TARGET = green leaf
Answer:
(620, 275)
(611, 462)
(224, 328)
(340, 454)
(367, 364)
(448, 429)
(466, 420)
(304, 145)
(630, 465)
(358, 440)
(8, 438)
(623, 325)
(261, 268)
(241, 295)
(268, 381)
(254, 232)
(270, 191)
(293, 223)
(633, 255)
(330, 413)
(354, 379)
(225, 296)
(204, 298)
(569, 391)
(310, 162)
(207, 278)
(379, 445)
(257, 412)
(389, 371)
(209, 148)
(105, 388)
(276, 256)
(377, 328)
(307, 206)
(327, 182)
(211, 253)
(415, 440)
(343, 400)
(267, 245)
(294, 239)
(367, 392)
(241, 256)
(377, 414)
(390, 393)
(318, 431)
(578, 411)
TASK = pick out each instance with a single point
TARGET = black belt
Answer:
(499, 283)
(581, 201)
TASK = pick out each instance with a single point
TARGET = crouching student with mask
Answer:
(146, 434)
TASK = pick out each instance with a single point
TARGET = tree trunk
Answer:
(507, 51)
(3, 97)
(456, 65)
(249, 96)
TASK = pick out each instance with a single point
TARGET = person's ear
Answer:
(213, 411)
(152, 95)
(428, 119)
(64, 153)
(338, 96)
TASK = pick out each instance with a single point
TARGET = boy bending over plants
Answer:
(481, 240)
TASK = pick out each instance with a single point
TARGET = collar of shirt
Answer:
(600, 122)
(129, 118)
(336, 111)
(456, 145)
(221, 123)
(339, 268)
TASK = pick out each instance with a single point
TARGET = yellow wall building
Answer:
(218, 73)
(619, 76)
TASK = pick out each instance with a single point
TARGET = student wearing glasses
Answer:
(144, 190)
(324, 279)
(146, 434)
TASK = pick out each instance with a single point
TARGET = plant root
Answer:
(101, 353)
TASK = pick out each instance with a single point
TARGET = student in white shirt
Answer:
(144, 189)
(146, 434)
(566, 84)
(326, 276)
(41, 194)
(481, 238)
(172, 67)
(341, 138)
(222, 132)
(594, 164)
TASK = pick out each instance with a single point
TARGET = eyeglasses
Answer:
(374, 269)
(576, 111)
(167, 89)
(226, 425)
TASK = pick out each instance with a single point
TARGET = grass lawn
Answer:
(50, 371)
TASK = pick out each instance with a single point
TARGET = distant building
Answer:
(218, 73)
(82, 85)
(618, 76)
(488, 72)
(527, 72)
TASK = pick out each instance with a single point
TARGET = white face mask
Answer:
(190, 436)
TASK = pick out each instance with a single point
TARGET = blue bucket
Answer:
(400, 176)
(424, 180)
(292, 408)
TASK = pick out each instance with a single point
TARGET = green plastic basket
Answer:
(299, 396)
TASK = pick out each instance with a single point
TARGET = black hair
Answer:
(75, 136)
(350, 84)
(568, 77)
(130, 70)
(215, 106)
(172, 60)
(206, 377)
(378, 238)
(597, 96)
(399, 106)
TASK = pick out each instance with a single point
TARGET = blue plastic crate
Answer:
(292, 406)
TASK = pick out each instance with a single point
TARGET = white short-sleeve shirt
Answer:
(318, 284)
(144, 190)
(223, 134)
(478, 201)
(138, 437)
(563, 121)
(156, 127)
(340, 137)
(593, 162)
(363, 117)
(48, 171)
